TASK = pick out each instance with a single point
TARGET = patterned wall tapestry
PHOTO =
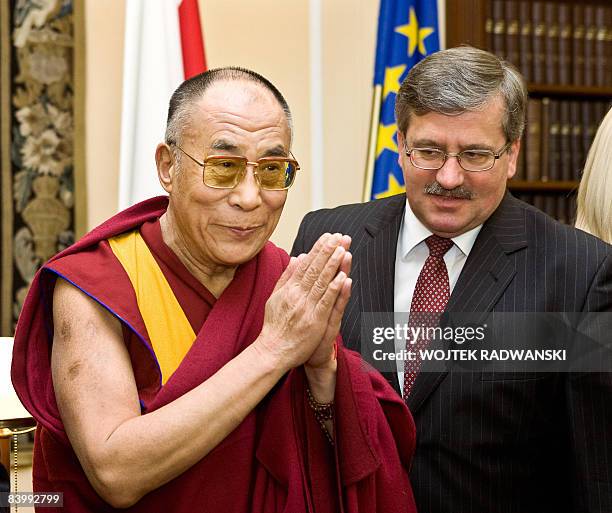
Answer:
(38, 143)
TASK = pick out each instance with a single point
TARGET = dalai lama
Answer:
(177, 361)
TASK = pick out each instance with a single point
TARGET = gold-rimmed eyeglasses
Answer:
(473, 160)
(227, 171)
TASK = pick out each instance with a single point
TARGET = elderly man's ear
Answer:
(164, 159)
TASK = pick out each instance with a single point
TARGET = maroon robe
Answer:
(277, 459)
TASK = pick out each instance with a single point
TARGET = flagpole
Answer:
(371, 158)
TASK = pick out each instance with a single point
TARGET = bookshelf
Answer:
(564, 50)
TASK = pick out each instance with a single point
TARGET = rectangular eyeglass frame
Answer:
(495, 154)
(257, 164)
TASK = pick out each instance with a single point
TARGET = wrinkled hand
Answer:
(325, 352)
(306, 299)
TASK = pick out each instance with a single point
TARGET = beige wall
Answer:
(349, 40)
(103, 72)
(271, 37)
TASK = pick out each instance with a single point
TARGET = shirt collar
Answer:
(413, 232)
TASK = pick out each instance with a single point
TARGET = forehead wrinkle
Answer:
(233, 135)
(223, 145)
(246, 122)
(228, 136)
(262, 148)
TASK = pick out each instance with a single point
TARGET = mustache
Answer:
(458, 192)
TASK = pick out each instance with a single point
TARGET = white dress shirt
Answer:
(412, 251)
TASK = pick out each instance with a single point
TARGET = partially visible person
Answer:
(177, 361)
(458, 242)
(594, 201)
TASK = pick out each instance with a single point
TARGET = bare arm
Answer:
(125, 454)
(98, 401)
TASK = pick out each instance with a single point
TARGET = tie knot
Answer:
(438, 246)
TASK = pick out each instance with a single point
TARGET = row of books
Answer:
(554, 42)
(561, 207)
(558, 135)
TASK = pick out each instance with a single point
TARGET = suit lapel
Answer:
(376, 262)
(375, 267)
(485, 276)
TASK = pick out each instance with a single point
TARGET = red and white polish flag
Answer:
(163, 47)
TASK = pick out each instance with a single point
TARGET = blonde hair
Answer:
(594, 202)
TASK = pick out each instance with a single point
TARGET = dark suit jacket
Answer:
(488, 443)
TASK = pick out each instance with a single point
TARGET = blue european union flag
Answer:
(407, 32)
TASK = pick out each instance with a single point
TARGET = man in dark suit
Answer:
(486, 442)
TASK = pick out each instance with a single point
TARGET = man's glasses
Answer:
(227, 171)
(470, 160)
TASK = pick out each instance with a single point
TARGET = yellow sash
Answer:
(169, 330)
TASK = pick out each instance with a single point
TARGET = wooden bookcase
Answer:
(564, 50)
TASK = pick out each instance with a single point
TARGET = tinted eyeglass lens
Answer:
(223, 173)
(226, 173)
(276, 174)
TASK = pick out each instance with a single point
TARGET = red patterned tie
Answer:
(430, 296)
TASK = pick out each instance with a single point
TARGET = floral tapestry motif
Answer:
(42, 140)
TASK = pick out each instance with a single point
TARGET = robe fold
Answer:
(277, 459)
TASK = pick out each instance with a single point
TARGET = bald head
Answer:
(191, 91)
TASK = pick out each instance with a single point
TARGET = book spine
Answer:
(538, 37)
(600, 47)
(565, 49)
(525, 49)
(550, 205)
(545, 139)
(565, 141)
(538, 202)
(533, 140)
(588, 126)
(577, 154)
(551, 42)
(512, 32)
(499, 29)
(601, 108)
(561, 213)
(608, 48)
(578, 45)
(590, 29)
(489, 27)
(554, 146)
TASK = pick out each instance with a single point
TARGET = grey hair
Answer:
(191, 90)
(463, 79)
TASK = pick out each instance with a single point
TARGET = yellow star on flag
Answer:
(416, 35)
(392, 79)
(394, 188)
(385, 139)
